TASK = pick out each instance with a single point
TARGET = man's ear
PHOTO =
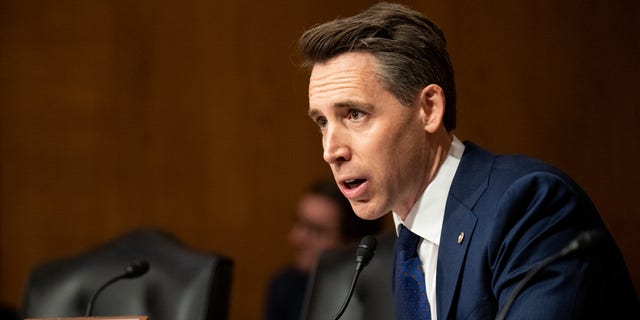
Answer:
(432, 102)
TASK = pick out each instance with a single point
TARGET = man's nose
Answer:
(335, 145)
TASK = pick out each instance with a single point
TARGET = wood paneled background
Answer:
(191, 116)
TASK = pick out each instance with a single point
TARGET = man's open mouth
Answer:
(353, 183)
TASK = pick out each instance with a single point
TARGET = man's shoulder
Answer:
(512, 165)
(499, 172)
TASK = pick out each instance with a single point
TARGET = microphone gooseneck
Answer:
(134, 270)
(364, 254)
(579, 246)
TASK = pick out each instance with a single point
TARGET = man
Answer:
(324, 220)
(382, 92)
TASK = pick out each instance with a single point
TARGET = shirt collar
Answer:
(427, 214)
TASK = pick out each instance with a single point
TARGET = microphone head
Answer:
(365, 251)
(136, 269)
(584, 242)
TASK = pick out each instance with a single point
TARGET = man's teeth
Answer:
(352, 183)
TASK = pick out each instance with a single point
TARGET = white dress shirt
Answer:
(426, 217)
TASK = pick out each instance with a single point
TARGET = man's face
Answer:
(375, 146)
(317, 228)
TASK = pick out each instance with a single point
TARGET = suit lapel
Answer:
(457, 231)
(459, 222)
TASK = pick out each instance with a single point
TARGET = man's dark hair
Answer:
(410, 49)
(352, 228)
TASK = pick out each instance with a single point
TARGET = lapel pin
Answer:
(460, 237)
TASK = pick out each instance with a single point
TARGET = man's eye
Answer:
(321, 122)
(356, 114)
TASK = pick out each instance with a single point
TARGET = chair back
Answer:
(372, 298)
(181, 284)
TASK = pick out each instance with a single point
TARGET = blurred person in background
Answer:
(324, 220)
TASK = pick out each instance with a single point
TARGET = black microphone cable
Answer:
(577, 247)
(366, 249)
(134, 270)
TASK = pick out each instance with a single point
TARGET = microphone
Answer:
(134, 270)
(579, 246)
(364, 254)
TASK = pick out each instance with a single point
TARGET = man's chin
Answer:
(367, 211)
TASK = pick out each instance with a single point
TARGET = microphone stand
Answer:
(578, 246)
(365, 252)
(349, 294)
(134, 270)
(97, 292)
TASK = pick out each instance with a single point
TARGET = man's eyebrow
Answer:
(341, 105)
(351, 104)
(313, 113)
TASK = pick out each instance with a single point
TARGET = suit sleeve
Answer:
(538, 215)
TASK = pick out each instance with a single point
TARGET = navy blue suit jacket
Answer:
(515, 211)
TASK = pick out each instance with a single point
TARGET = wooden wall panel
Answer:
(191, 116)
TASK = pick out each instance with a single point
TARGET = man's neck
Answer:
(439, 149)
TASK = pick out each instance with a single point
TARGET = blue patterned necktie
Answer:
(409, 290)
